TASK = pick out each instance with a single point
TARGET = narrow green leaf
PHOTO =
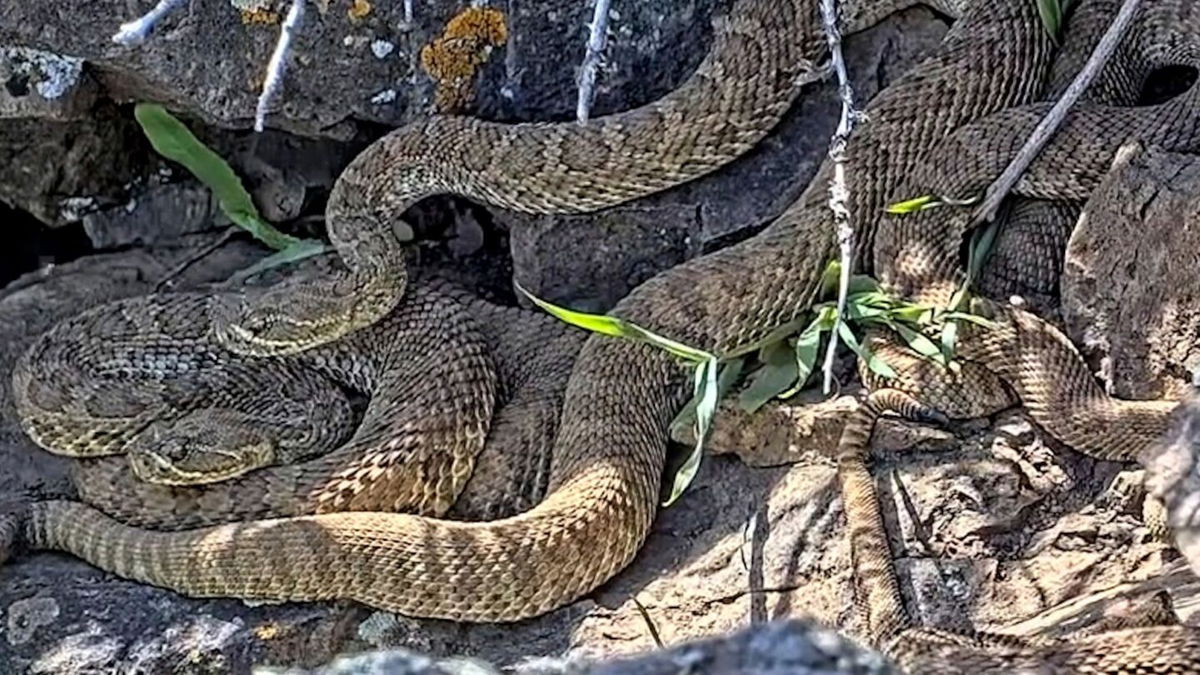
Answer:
(871, 298)
(303, 248)
(949, 339)
(918, 342)
(807, 347)
(596, 323)
(173, 140)
(912, 205)
(705, 392)
(777, 374)
(858, 312)
(830, 279)
(615, 327)
(918, 314)
(876, 364)
(727, 376)
(1051, 13)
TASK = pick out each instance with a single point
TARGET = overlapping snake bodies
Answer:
(609, 452)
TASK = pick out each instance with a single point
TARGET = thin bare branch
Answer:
(591, 61)
(1049, 124)
(839, 193)
(275, 67)
(135, 32)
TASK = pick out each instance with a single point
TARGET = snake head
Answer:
(200, 447)
(296, 316)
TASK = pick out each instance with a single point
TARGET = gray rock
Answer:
(777, 648)
(207, 58)
(1131, 287)
(161, 213)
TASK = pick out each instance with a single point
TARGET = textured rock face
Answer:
(1131, 286)
(354, 68)
(778, 648)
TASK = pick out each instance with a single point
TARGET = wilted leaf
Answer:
(706, 394)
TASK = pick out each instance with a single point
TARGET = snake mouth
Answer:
(247, 342)
(208, 466)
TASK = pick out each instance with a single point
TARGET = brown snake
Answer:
(603, 479)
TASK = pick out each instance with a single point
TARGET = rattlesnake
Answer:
(919, 650)
(604, 476)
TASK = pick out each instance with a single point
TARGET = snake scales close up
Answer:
(610, 447)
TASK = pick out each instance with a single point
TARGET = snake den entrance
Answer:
(600, 337)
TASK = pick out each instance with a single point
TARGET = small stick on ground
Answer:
(1045, 129)
(838, 192)
(591, 60)
(196, 257)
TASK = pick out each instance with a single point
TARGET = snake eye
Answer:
(256, 324)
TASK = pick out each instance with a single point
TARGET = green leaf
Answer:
(860, 312)
(831, 278)
(727, 376)
(1051, 13)
(705, 392)
(949, 339)
(918, 342)
(983, 239)
(876, 364)
(303, 248)
(913, 205)
(173, 140)
(776, 375)
(807, 347)
(826, 317)
(918, 314)
(615, 327)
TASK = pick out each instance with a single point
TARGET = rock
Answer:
(60, 170)
(1173, 475)
(161, 213)
(1131, 287)
(347, 56)
(722, 206)
(88, 155)
(777, 648)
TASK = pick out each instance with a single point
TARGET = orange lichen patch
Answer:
(453, 59)
(359, 9)
(259, 16)
(267, 631)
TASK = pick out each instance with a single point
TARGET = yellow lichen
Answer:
(453, 59)
(267, 631)
(359, 9)
(259, 16)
